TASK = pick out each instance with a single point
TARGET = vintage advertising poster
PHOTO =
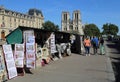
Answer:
(30, 47)
(30, 55)
(9, 60)
(30, 63)
(26, 34)
(19, 63)
(30, 39)
(19, 55)
(19, 47)
(52, 44)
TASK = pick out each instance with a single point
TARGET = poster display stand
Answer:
(9, 60)
(29, 40)
(30, 52)
(19, 58)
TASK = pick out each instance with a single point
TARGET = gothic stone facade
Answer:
(74, 25)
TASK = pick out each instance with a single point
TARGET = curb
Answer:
(110, 71)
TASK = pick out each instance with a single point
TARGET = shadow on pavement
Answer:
(27, 70)
(116, 62)
(116, 68)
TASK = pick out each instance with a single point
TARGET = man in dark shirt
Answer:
(101, 43)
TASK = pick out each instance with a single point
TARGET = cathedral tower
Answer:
(65, 21)
(72, 25)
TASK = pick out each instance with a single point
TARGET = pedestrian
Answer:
(95, 44)
(102, 48)
(87, 45)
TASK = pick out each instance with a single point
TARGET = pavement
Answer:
(74, 68)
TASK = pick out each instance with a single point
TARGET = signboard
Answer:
(10, 63)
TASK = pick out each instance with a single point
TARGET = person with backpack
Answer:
(102, 49)
(95, 44)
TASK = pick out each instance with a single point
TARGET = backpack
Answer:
(93, 43)
(102, 41)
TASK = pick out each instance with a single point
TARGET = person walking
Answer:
(102, 48)
(87, 44)
(95, 44)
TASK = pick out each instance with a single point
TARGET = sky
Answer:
(98, 12)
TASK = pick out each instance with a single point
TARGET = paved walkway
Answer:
(74, 68)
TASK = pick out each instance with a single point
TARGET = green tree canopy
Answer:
(48, 25)
(91, 30)
(110, 29)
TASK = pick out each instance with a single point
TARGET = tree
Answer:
(110, 29)
(91, 30)
(48, 25)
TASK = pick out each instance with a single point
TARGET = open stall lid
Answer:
(15, 37)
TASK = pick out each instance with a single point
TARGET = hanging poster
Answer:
(30, 63)
(30, 39)
(19, 47)
(30, 55)
(52, 44)
(19, 63)
(9, 60)
(30, 47)
(19, 55)
(26, 34)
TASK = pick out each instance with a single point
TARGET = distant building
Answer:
(74, 25)
(9, 20)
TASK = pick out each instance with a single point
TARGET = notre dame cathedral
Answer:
(74, 25)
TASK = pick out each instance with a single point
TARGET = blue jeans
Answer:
(87, 49)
